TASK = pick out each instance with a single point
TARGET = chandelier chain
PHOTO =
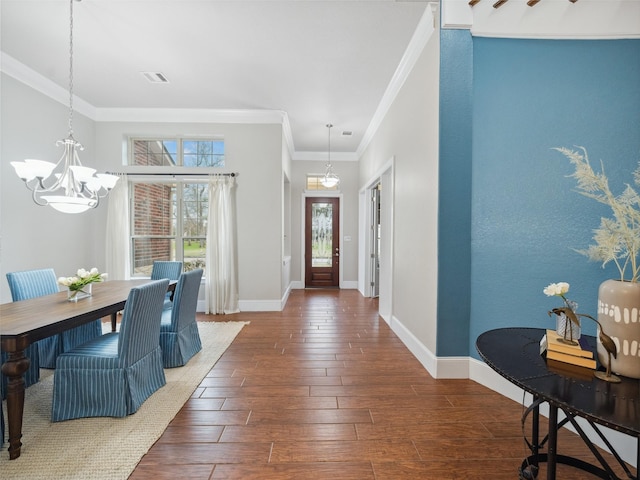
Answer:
(71, 68)
(66, 186)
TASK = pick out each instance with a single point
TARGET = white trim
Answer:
(549, 19)
(260, 305)
(285, 297)
(456, 14)
(42, 84)
(375, 178)
(365, 229)
(288, 135)
(480, 372)
(349, 285)
(483, 374)
(303, 210)
(425, 29)
(415, 346)
(323, 156)
(193, 115)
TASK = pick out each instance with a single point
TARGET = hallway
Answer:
(325, 390)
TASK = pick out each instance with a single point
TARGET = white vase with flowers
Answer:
(616, 240)
(79, 286)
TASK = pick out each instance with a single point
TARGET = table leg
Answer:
(552, 444)
(535, 433)
(114, 321)
(14, 368)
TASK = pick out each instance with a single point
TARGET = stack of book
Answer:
(573, 360)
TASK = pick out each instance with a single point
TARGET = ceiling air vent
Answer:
(155, 77)
(347, 134)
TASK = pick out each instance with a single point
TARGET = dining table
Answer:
(24, 322)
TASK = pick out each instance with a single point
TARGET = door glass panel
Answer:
(322, 234)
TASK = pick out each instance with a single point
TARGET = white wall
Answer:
(38, 237)
(348, 173)
(253, 151)
(32, 236)
(409, 134)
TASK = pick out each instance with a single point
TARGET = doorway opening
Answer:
(375, 241)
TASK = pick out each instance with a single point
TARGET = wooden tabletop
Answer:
(44, 316)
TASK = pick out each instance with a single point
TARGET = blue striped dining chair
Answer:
(35, 283)
(179, 337)
(166, 269)
(112, 376)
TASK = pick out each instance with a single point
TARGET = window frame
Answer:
(177, 175)
(179, 161)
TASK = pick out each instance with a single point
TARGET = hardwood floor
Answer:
(325, 390)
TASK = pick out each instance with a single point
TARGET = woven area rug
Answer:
(107, 448)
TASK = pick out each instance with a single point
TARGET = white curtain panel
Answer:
(117, 254)
(221, 276)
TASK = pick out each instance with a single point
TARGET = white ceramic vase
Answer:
(619, 315)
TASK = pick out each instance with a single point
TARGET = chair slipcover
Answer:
(36, 283)
(166, 269)
(111, 376)
(179, 337)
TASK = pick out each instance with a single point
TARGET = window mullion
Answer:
(179, 222)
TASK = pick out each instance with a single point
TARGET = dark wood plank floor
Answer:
(325, 390)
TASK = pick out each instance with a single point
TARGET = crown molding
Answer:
(42, 84)
(548, 19)
(322, 156)
(425, 29)
(186, 115)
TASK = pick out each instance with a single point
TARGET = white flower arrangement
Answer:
(568, 317)
(556, 289)
(82, 278)
(617, 239)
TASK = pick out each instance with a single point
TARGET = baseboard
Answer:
(260, 305)
(480, 372)
(415, 346)
(483, 374)
(346, 285)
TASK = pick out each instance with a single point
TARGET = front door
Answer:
(322, 242)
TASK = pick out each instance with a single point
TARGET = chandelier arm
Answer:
(37, 200)
(66, 186)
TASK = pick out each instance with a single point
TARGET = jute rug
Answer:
(107, 448)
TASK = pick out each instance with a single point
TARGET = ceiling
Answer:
(323, 61)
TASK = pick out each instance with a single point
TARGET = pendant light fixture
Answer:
(330, 179)
(66, 186)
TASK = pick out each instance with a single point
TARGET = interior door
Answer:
(322, 242)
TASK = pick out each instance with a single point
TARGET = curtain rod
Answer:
(232, 174)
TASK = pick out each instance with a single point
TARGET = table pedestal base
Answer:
(529, 467)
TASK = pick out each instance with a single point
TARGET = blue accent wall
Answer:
(526, 218)
(454, 201)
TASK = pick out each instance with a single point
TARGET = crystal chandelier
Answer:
(66, 186)
(330, 179)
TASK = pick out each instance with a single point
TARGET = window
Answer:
(314, 182)
(169, 218)
(177, 152)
